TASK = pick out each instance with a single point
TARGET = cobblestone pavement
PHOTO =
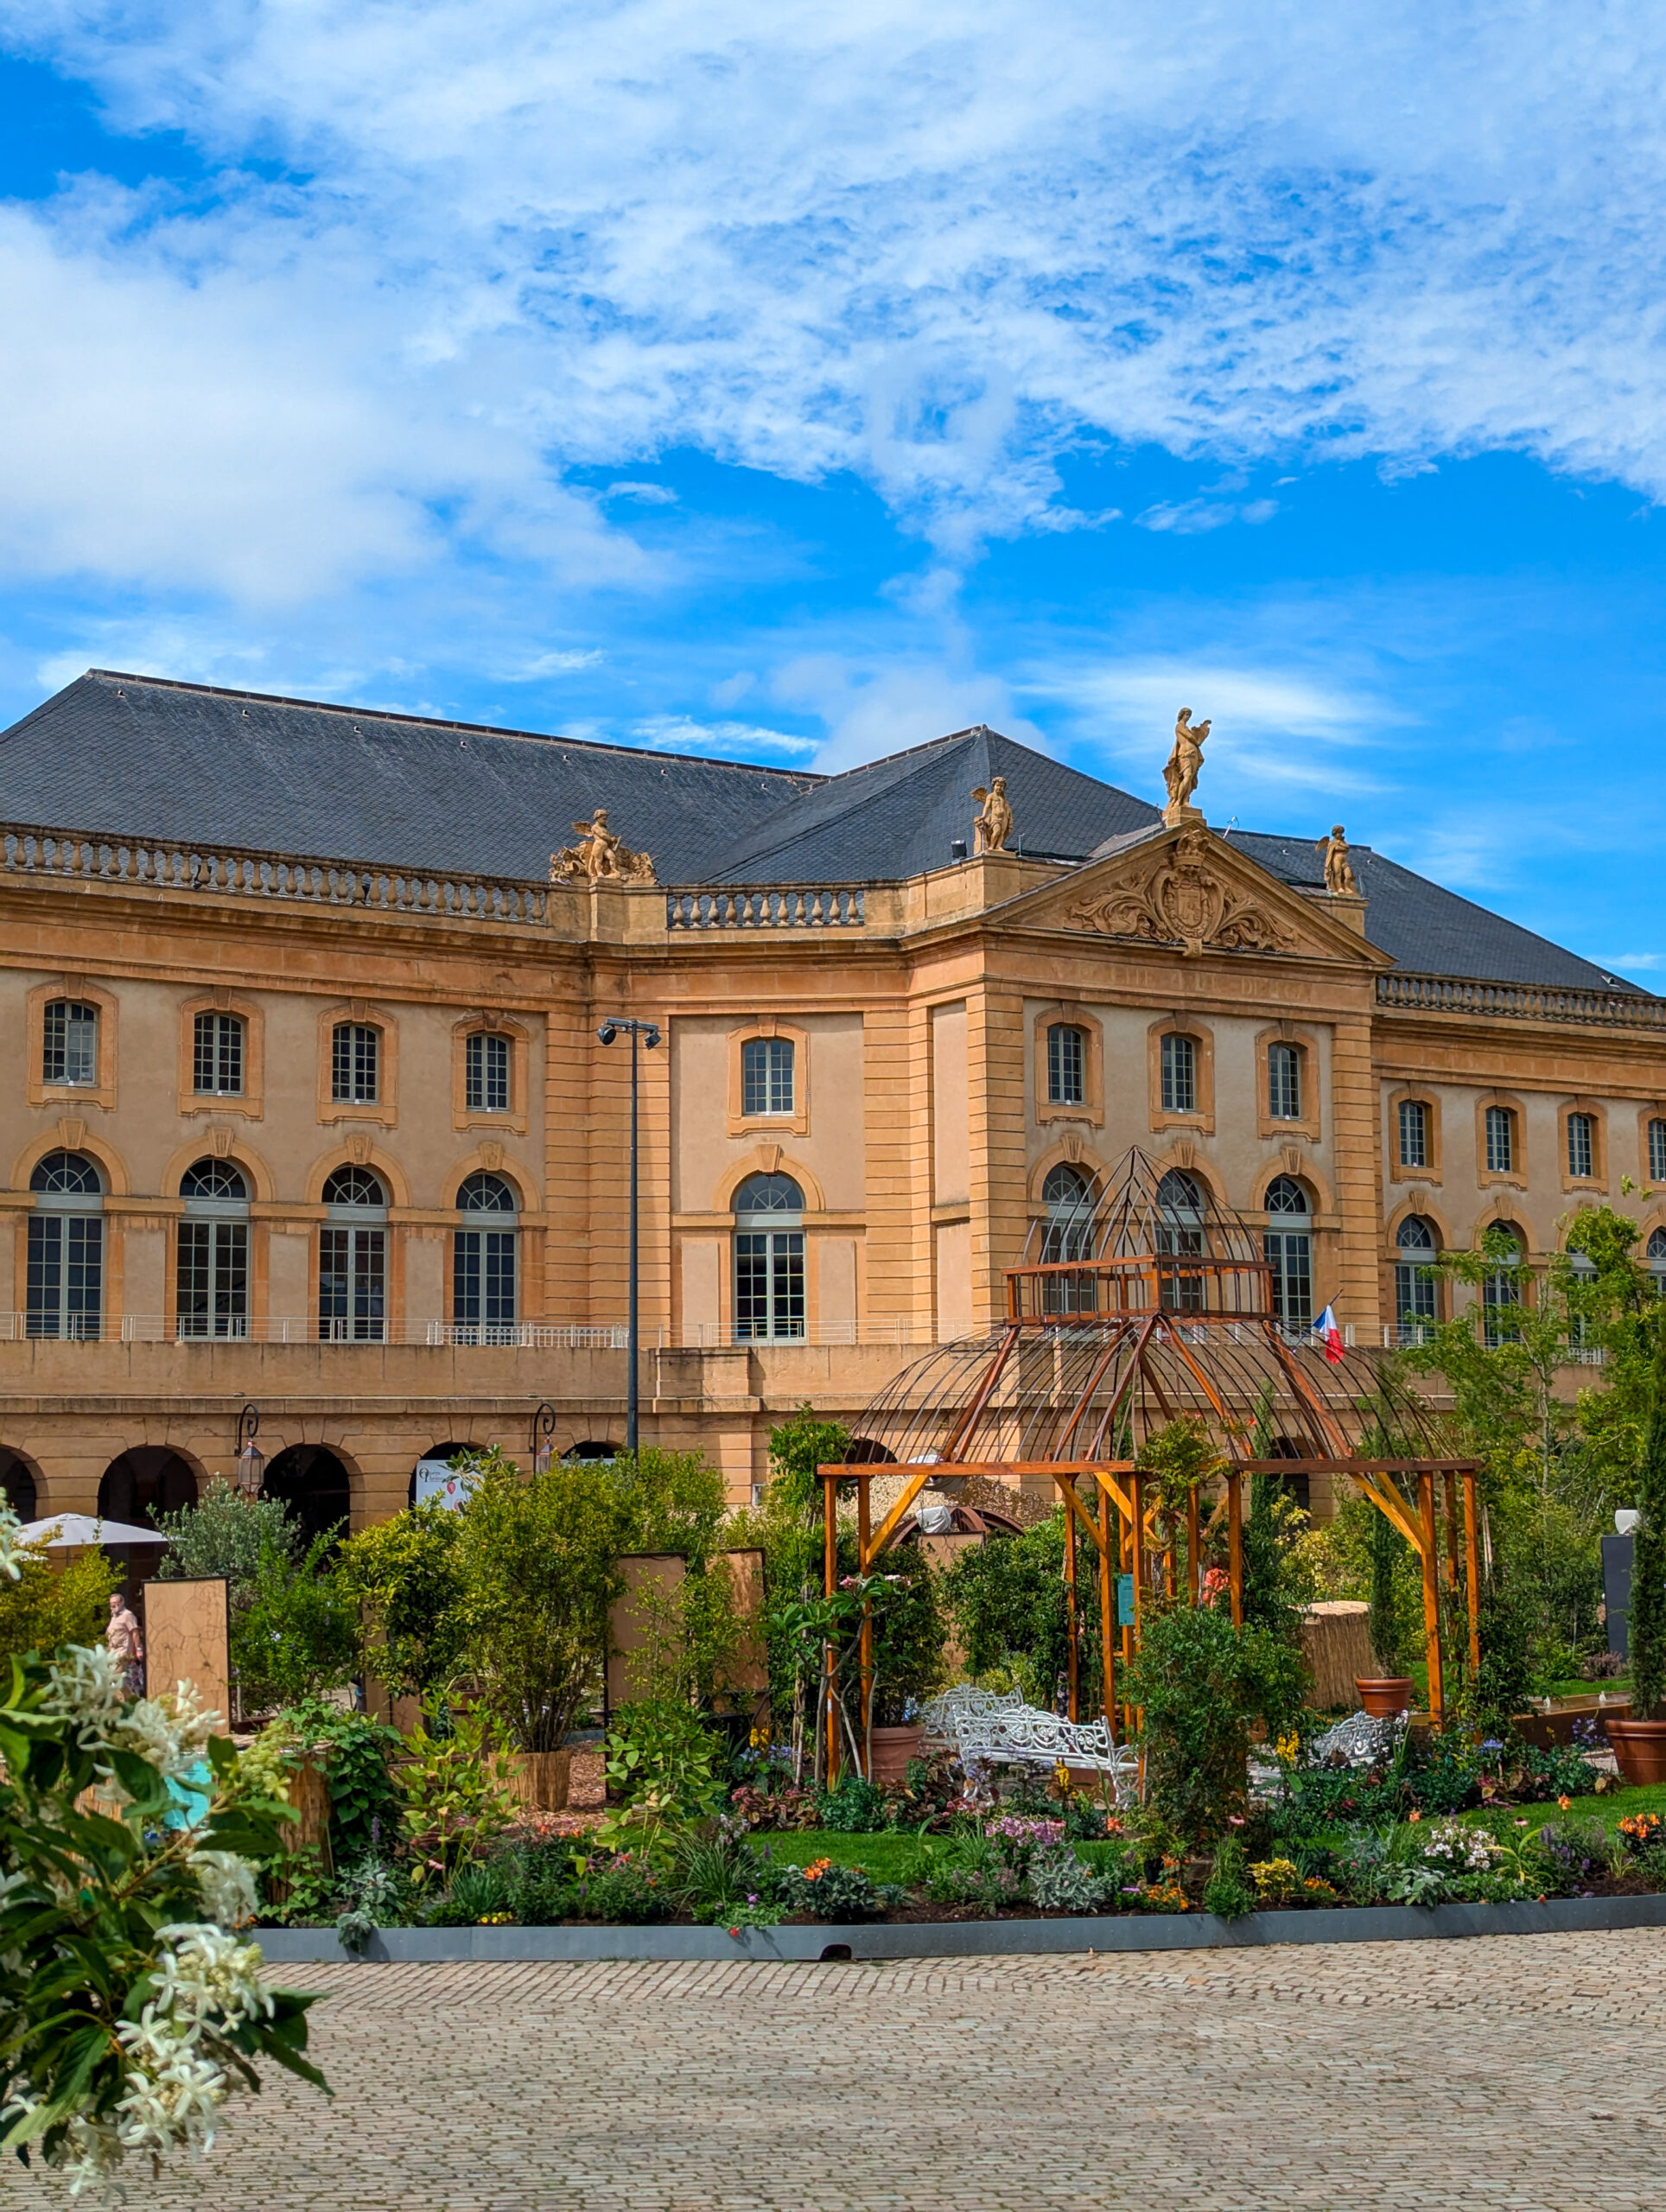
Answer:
(1524, 2073)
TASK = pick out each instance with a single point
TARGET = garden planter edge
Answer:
(975, 1938)
(1639, 1748)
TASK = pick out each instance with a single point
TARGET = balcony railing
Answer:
(237, 871)
(521, 1336)
(769, 906)
(1520, 1002)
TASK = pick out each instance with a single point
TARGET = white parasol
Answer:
(60, 1531)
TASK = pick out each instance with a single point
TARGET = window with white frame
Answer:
(484, 1305)
(64, 1293)
(1067, 1066)
(1657, 1152)
(485, 1073)
(1500, 1140)
(69, 1053)
(766, 1076)
(769, 1258)
(1284, 1083)
(1287, 1245)
(1414, 1133)
(352, 1259)
(1179, 1226)
(1581, 1145)
(1415, 1305)
(355, 1064)
(1656, 1254)
(217, 1044)
(1180, 1073)
(1501, 1287)
(212, 1274)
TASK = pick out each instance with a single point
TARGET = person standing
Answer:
(126, 1641)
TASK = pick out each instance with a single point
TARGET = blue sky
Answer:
(800, 384)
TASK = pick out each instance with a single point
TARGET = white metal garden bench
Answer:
(994, 1731)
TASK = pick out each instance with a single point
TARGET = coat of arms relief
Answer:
(1182, 901)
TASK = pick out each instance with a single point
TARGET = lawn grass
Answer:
(1611, 1807)
(889, 1856)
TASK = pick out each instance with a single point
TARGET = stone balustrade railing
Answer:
(236, 871)
(1520, 1002)
(768, 906)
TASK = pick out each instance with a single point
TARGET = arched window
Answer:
(1284, 1083)
(355, 1064)
(769, 1258)
(212, 1277)
(1658, 1261)
(69, 1033)
(1287, 1244)
(1180, 1073)
(1180, 1238)
(766, 1073)
(1501, 1290)
(485, 1073)
(1067, 1064)
(484, 1309)
(65, 1293)
(1415, 1301)
(1068, 1197)
(352, 1259)
(217, 1056)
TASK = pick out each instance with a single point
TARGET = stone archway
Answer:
(20, 1483)
(147, 1480)
(314, 1485)
(443, 1452)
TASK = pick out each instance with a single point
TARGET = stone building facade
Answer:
(307, 1110)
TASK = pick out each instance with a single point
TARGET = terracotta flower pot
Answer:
(540, 1780)
(1384, 1695)
(1639, 1748)
(893, 1748)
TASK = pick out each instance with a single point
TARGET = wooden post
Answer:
(1473, 1572)
(1432, 1599)
(830, 1579)
(1452, 1532)
(865, 1656)
(1125, 1564)
(1107, 1616)
(1235, 1542)
(1193, 1548)
(1071, 1664)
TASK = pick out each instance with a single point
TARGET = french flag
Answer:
(1330, 1337)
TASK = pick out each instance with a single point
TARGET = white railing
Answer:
(236, 871)
(703, 1335)
(1404, 1336)
(516, 1336)
(768, 906)
(1520, 1001)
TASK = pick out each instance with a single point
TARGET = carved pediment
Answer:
(1181, 897)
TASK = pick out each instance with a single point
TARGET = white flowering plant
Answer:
(130, 2007)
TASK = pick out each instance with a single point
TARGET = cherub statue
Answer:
(600, 855)
(994, 822)
(1185, 762)
(1339, 869)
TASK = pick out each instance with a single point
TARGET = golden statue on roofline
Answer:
(994, 822)
(1339, 878)
(1183, 767)
(600, 856)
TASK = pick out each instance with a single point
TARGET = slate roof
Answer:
(139, 756)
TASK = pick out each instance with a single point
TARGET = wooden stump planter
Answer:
(1384, 1696)
(541, 1780)
(1639, 1749)
(893, 1748)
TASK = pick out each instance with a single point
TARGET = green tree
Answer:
(1202, 1687)
(46, 1606)
(299, 1633)
(1647, 1626)
(406, 1578)
(227, 1534)
(538, 1556)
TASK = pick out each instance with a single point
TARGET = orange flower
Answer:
(1564, 1803)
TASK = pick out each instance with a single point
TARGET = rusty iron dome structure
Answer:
(1143, 1300)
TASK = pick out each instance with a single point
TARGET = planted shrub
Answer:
(1059, 1882)
(855, 1806)
(828, 1890)
(625, 1889)
(1229, 1891)
(1646, 1633)
(1203, 1684)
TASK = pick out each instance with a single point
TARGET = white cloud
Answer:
(878, 707)
(719, 741)
(932, 245)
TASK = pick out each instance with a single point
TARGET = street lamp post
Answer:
(648, 1031)
(250, 1459)
(543, 1430)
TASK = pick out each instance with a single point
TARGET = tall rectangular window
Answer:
(1284, 1083)
(1180, 1074)
(1289, 1253)
(71, 1053)
(1581, 1144)
(217, 1056)
(65, 1293)
(769, 1283)
(1500, 1140)
(1657, 1152)
(1066, 1066)
(351, 1284)
(355, 1057)
(1414, 1301)
(483, 1286)
(485, 1073)
(214, 1279)
(766, 1076)
(1414, 1133)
